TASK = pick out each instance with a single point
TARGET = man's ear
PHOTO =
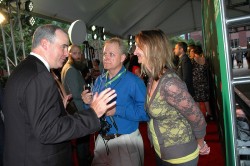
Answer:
(123, 57)
(44, 44)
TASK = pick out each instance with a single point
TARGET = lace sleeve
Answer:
(176, 94)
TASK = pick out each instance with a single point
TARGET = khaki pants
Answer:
(126, 150)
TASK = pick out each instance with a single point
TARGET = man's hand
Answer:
(100, 102)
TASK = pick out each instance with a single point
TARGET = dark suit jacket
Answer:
(184, 70)
(37, 129)
(1, 126)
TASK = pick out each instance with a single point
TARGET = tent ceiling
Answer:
(125, 17)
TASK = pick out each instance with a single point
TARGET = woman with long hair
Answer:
(177, 127)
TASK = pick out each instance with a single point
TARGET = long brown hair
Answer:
(157, 50)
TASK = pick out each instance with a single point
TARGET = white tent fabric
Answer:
(128, 17)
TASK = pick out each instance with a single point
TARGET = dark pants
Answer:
(160, 162)
(1, 141)
(83, 151)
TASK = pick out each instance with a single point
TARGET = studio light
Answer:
(98, 32)
(30, 20)
(103, 37)
(29, 6)
(131, 40)
(95, 36)
(102, 30)
(130, 37)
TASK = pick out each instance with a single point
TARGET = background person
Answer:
(177, 127)
(184, 67)
(71, 76)
(191, 51)
(134, 66)
(247, 55)
(37, 128)
(73, 83)
(239, 57)
(122, 143)
(201, 80)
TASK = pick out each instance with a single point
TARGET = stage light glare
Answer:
(95, 36)
(93, 28)
(29, 6)
(2, 18)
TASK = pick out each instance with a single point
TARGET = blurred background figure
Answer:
(201, 80)
(191, 51)
(239, 57)
(184, 67)
(248, 55)
(134, 66)
(95, 71)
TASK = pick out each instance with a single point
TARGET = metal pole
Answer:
(238, 19)
(225, 35)
(12, 35)
(20, 27)
(5, 50)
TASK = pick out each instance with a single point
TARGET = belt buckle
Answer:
(110, 136)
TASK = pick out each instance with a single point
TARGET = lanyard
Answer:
(115, 78)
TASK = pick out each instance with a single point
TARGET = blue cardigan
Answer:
(130, 100)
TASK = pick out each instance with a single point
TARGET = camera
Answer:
(105, 126)
(114, 99)
(87, 87)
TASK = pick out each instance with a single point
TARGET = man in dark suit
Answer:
(37, 128)
(184, 67)
(1, 126)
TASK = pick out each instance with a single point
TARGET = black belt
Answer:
(110, 136)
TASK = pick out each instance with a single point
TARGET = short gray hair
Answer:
(45, 32)
(120, 42)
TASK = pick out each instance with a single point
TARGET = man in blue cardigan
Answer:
(120, 142)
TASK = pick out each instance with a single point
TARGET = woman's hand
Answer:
(203, 147)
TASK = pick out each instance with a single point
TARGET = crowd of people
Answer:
(49, 108)
(192, 67)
